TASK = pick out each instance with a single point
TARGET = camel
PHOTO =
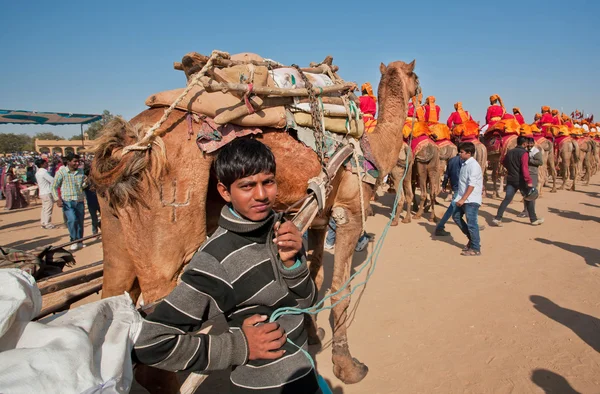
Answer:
(568, 158)
(404, 166)
(426, 174)
(161, 203)
(586, 163)
(494, 159)
(549, 164)
(447, 151)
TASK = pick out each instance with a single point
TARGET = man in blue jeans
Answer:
(518, 177)
(69, 179)
(468, 198)
(451, 175)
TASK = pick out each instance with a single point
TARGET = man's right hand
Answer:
(264, 340)
(59, 202)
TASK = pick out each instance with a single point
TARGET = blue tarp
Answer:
(45, 118)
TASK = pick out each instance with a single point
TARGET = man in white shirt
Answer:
(44, 181)
(468, 198)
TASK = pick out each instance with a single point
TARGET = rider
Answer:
(459, 116)
(518, 115)
(545, 121)
(432, 111)
(368, 106)
(495, 111)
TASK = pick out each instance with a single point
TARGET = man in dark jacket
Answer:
(535, 160)
(451, 175)
(516, 163)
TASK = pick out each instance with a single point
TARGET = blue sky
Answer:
(85, 57)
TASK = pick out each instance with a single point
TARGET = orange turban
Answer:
(554, 112)
(458, 106)
(545, 108)
(565, 117)
(494, 98)
(516, 110)
(430, 100)
(537, 116)
(367, 88)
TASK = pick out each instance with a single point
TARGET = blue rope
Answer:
(374, 256)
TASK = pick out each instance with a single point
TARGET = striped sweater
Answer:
(236, 273)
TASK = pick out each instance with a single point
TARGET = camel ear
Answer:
(382, 68)
(411, 65)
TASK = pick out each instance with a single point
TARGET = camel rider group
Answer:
(460, 125)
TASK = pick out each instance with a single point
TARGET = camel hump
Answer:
(427, 152)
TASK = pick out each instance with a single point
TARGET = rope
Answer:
(146, 142)
(360, 188)
(370, 262)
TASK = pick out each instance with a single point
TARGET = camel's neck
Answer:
(386, 140)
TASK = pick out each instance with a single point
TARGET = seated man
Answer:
(252, 265)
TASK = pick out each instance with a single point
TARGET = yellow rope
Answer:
(146, 142)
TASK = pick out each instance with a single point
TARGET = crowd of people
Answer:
(61, 180)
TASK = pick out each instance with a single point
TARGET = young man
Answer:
(44, 182)
(535, 160)
(516, 163)
(451, 175)
(252, 265)
(468, 198)
(69, 179)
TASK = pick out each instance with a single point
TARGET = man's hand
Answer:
(460, 203)
(264, 340)
(530, 185)
(289, 242)
(59, 202)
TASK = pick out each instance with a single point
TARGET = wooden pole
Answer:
(212, 86)
(62, 299)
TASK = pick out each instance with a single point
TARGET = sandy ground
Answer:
(522, 318)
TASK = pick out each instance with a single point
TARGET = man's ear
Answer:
(224, 192)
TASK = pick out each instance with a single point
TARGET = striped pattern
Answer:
(236, 273)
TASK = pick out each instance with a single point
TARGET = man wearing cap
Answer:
(495, 111)
(368, 106)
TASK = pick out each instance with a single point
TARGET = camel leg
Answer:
(348, 369)
(422, 174)
(408, 196)
(434, 181)
(574, 175)
(564, 171)
(316, 241)
(396, 176)
(551, 170)
(588, 168)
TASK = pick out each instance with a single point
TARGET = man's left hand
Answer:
(289, 242)
(460, 203)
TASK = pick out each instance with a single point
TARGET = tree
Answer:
(47, 135)
(12, 143)
(76, 137)
(94, 129)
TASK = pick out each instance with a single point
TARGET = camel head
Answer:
(398, 79)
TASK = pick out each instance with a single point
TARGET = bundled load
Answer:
(559, 130)
(238, 94)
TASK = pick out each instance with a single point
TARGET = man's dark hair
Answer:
(71, 156)
(241, 158)
(468, 147)
(39, 163)
(521, 140)
(530, 139)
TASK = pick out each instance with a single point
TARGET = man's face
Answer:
(464, 156)
(253, 196)
(73, 164)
